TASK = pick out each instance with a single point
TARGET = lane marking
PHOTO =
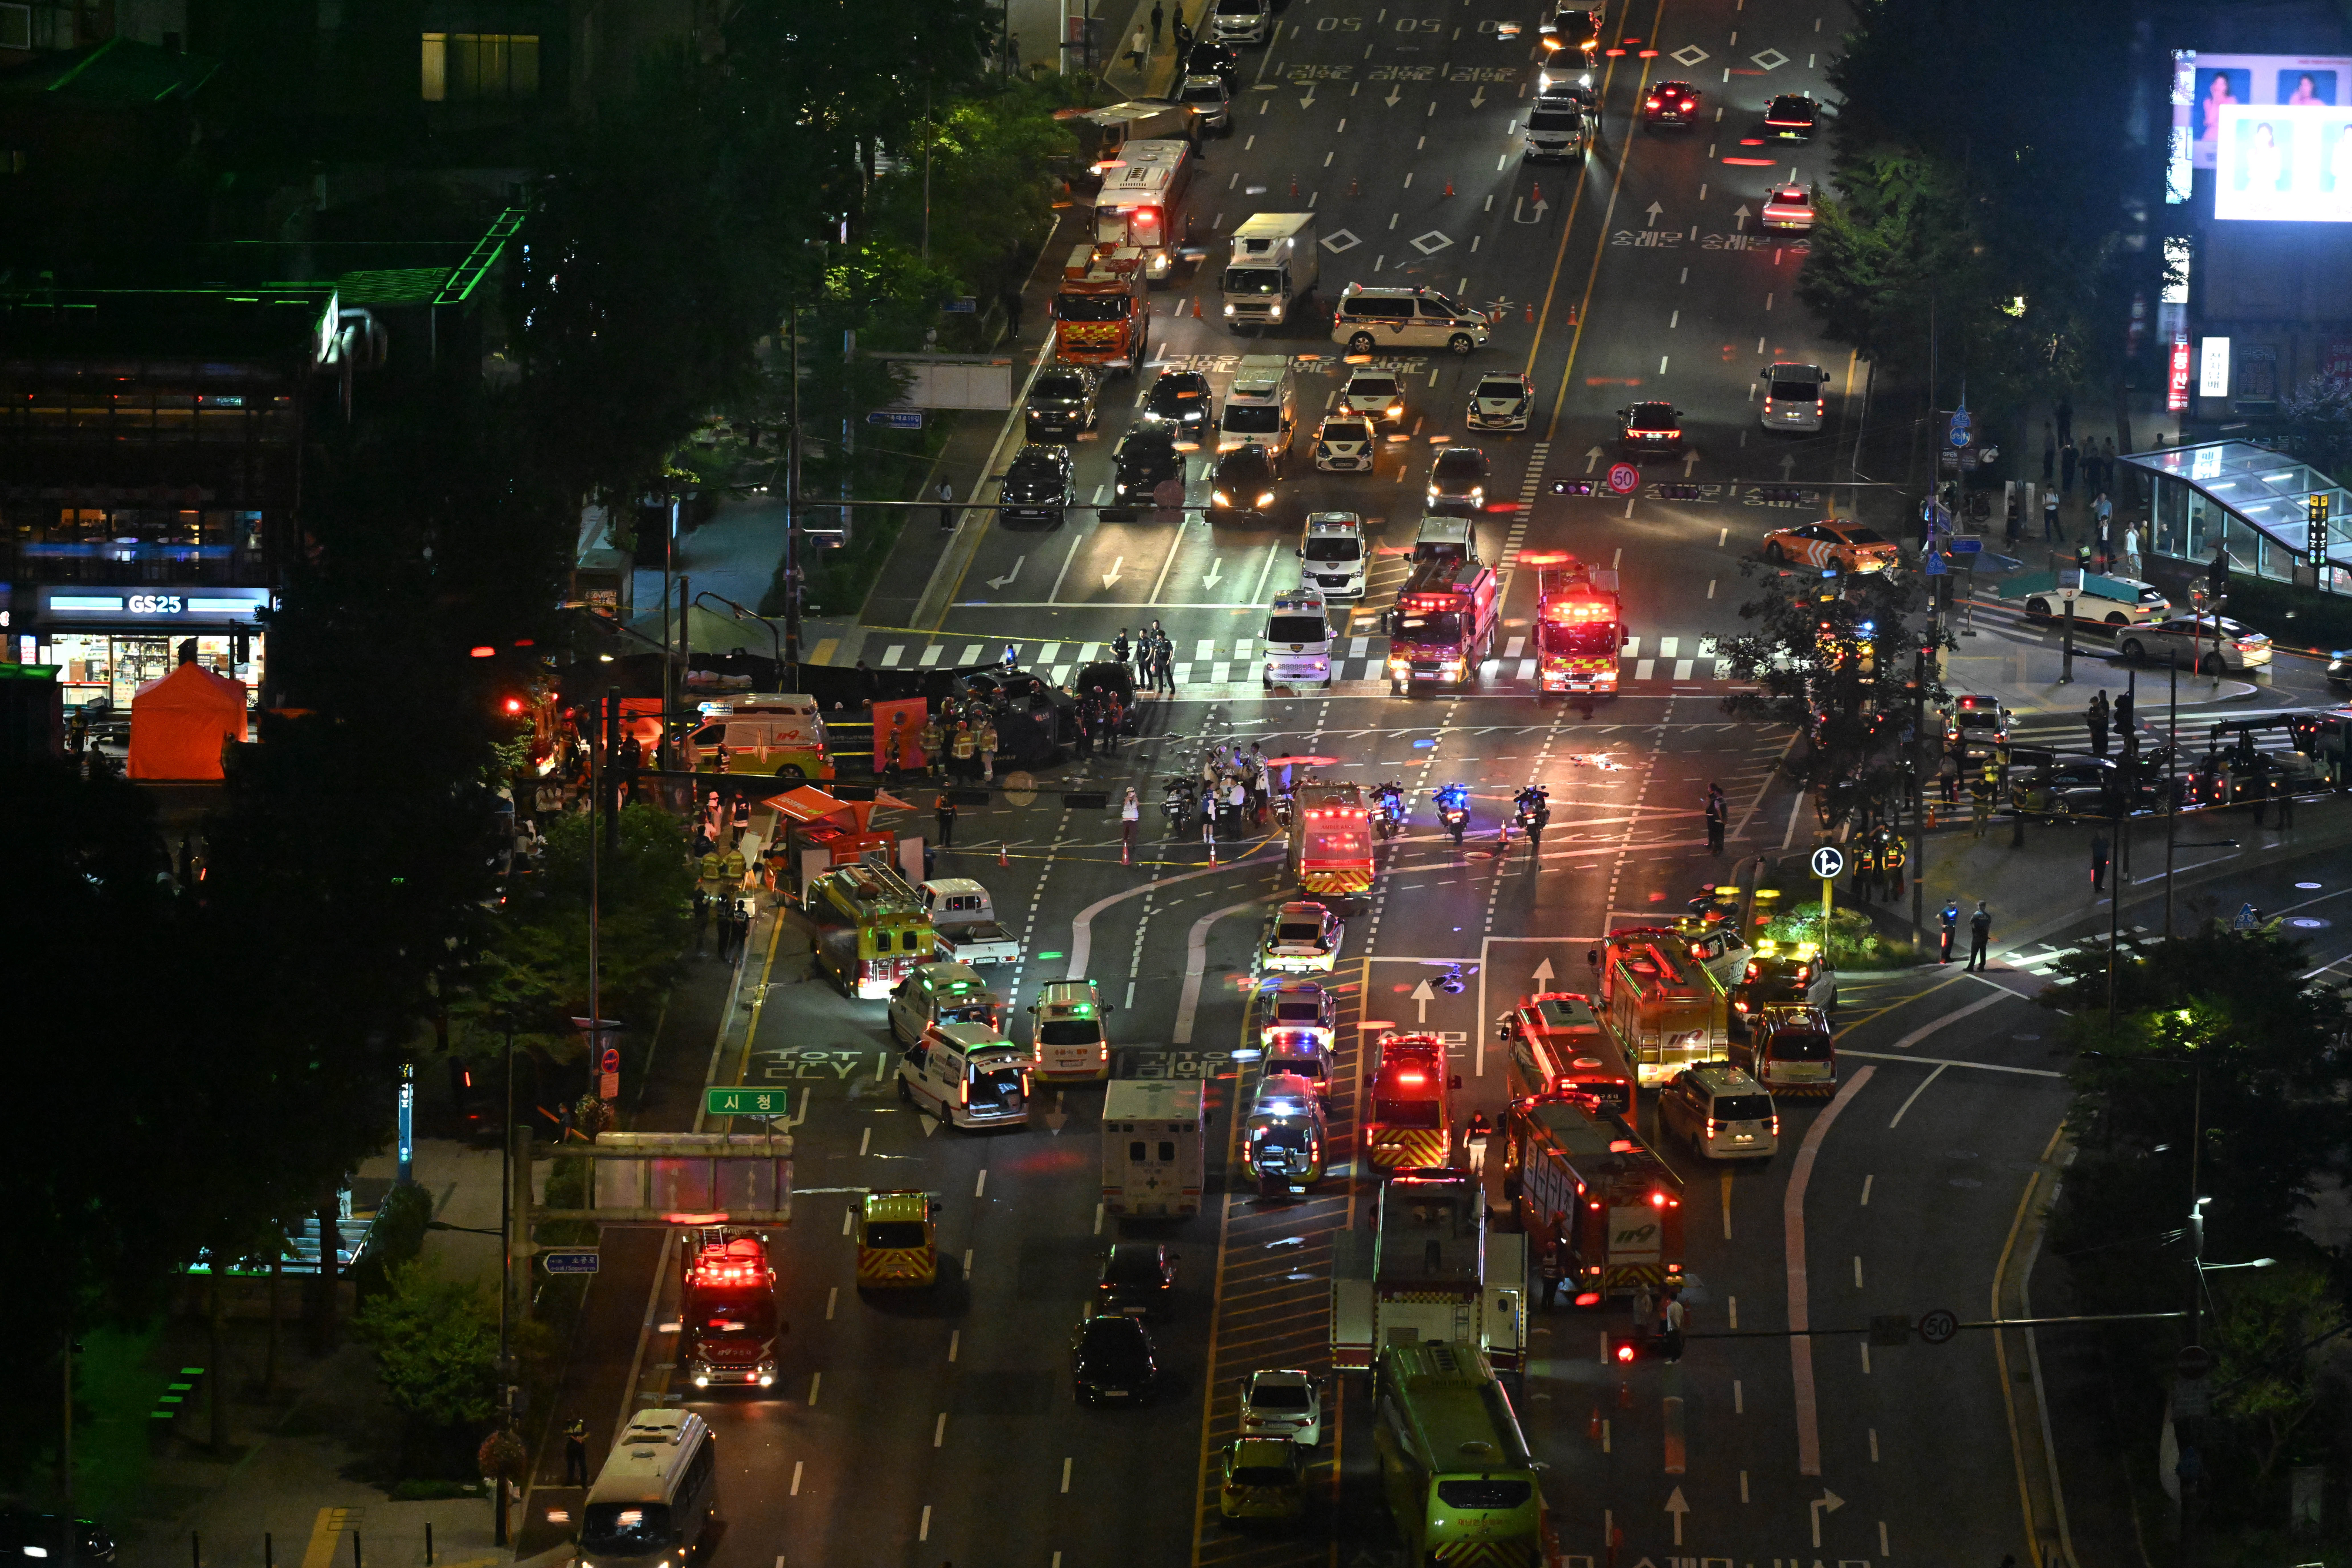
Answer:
(1943, 1062)
(1924, 1030)
(1196, 964)
(1793, 1226)
(816, 1381)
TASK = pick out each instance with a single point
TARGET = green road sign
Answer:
(743, 1102)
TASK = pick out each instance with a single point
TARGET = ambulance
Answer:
(1411, 1122)
(898, 1240)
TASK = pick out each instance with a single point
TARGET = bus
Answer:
(1412, 1124)
(869, 929)
(1331, 840)
(1454, 1464)
(1559, 1047)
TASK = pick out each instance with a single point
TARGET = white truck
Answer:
(1155, 1146)
(1273, 267)
(965, 923)
(1430, 1269)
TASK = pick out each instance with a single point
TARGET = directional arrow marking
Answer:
(1787, 464)
(1056, 1116)
(1740, 219)
(1478, 98)
(1111, 577)
(1676, 1506)
(1543, 972)
(1540, 208)
(1422, 994)
(1216, 570)
(1654, 210)
(1591, 458)
(1394, 93)
(1828, 1502)
(1690, 461)
(1010, 575)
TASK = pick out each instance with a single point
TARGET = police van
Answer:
(943, 993)
(1297, 641)
(1331, 557)
(1371, 320)
(656, 1499)
(967, 1075)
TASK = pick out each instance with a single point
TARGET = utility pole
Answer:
(595, 878)
(790, 674)
(670, 642)
(2171, 778)
(927, 139)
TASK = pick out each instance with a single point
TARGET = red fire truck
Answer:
(1579, 623)
(1101, 314)
(1561, 1048)
(728, 1320)
(1443, 624)
(1589, 1183)
(1411, 1122)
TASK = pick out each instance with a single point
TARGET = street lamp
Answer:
(775, 641)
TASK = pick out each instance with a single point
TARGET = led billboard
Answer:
(2208, 91)
(2290, 164)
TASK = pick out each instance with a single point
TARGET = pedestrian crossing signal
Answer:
(2315, 551)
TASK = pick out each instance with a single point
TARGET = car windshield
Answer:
(1334, 550)
(1246, 467)
(1459, 466)
(1260, 1476)
(1582, 640)
(978, 1011)
(1807, 390)
(1500, 390)
(1444, 627)
(1034, 470)
(1979, 719)
(1483, 1492)
(1253, 280)
(1554, 120)
(1306, 932)
(1114, 1341)
(894, 1234)
(1372, 386)
(1241, 7)
(1090, 307)
(1347, 429)
(1253, 418)
(1651, 416)
(1059, 386)
(1788, 108)
(1279, 1397)
(1297, 1012)
(1790, 196)
(1175, 400)
(1742, 1107)
(1132, 1267)
(1396, 1113)
(623, 1528)
(1068, 1031)
(749, 1314)
(1210, 91)
(1799, 1045)
(1297, 628)
(1148, 447)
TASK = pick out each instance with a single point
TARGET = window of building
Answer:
(473, 68)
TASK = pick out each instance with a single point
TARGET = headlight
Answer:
(1478, 492)
(1433, 492)
(1229, 309)
(1122, 487)
(1399, 665)
(1221, 498)
(1396, 410)
(702, 1380)
(1266, 498)
(1277, 313)
(1322, 449)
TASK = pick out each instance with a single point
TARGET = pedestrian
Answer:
(1672, 1321)
(930, 739)
(738, 925)
(1013, 315)
(2098, 861)
(1951, 926)
(1131, 812)
(2050, 528)
(1948, 774)
(944, 811)
(2095, 716)
(2285, 786)
(2103, 512)
(576, 1453)
(1113, 715)
(2068, 459)
(701, 922)
(2009, 529)
(1555, 1260)
(2107, 463)
(1158, 17)
(1136, 50)
(1084, 722)
(1645, 1310)
(1894, 860)
(1981, 806)
(1980, 932)
(2131, 549)
(1238, 801)
(1183, 36)
(2065, 413)
(1119, 648)
(1865, 870)
(946, 496)
(1716, 815)
(2049, 455)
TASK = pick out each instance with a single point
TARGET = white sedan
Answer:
(1283, 1403)
(2192, 637)
(1374, 393)
(1789, 209)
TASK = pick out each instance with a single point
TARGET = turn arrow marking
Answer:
(1309, 101)
(1056, 1116)
(1010, 575)
(1394, 93)
(1111, 577)
(1828, 1502)
(1478, 98)
(1690, 461)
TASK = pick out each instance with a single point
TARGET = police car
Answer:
(1302, 938)
(1782, 972)
(1331, 556)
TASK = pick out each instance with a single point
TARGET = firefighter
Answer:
(1894, 860)
(1866, 871)
(928, 738)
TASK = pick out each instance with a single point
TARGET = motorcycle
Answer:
(1282, 810)
(1389, 810)
(1176, 805)
(1453, 811)
(1534, 810)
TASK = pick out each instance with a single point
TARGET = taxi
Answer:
(1848, 547)
(898, 1241)
(1782, 972)
(1789, 209)
(1261, 1478)
(1301, 939)
(1282, 1402)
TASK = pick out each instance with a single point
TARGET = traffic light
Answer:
(2314, 550)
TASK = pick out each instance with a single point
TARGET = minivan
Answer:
(943, 993)
(656, 1499)
(1720, 1112)
(1371, 319)
(970, 1073)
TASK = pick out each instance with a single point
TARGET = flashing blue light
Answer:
(1419, 743)
(1866, 627)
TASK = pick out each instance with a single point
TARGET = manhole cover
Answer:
(1430, 242)
(1771, 60)
(1690, 54)
(1341, 242)
(1020, 787)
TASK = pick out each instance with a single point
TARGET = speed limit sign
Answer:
(1938, 1326)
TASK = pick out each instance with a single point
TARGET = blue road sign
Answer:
(1967, 545)
(965, 305)
(1934, 566)
(896, 418)
(1962, 429)
(573, 1262)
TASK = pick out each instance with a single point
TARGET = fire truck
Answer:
(1137, 205)
(1331, 840)
(1412, 1121)
(1101, 314)
(1560, 1048)
(1579, 623)
(728, 1320)
(1594, 1187)
(1443, 623)
(1432, 1268)
(1666, 1008)
(869, 929)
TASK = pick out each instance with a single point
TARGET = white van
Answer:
(1297, 641)
(1373, 320)
(1072, 1042)
(943, 993)
(1260, 409)
(970, 1073)
(1720, 1112)
(1155, 1141)
(1331, 557)
(656, 1499)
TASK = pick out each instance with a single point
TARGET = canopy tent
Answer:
(179, 724)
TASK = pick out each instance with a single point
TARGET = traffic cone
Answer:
(1001, 858)
(1624, 1396)
(1353, 189)
(1449, 188)
(1124, 858)
(1196, 308)
(1539, 195)
(1531, 310)
(1294, 184)
(1592, 1427)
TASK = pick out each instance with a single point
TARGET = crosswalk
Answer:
(2042, 958)
(2068, 733)
(1216, 661)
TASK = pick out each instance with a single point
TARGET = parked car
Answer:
(2191, 639)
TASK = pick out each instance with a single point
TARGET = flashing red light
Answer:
(513, 704)
(486, 653)
(1657, 1200)
(1624, 1350)
(1412, 1077)
(1588, 1297)
(1621, 1146)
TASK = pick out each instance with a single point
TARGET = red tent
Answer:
(178, 724)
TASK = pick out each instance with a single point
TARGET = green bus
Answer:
(1458, 1473)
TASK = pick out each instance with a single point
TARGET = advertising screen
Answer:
(2208, 88)
(2290, 164)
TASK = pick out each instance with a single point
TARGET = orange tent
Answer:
(178, 724)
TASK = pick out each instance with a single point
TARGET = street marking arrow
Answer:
(1478, 98)
(1008, 577)
(1690, 461)
(1309, 101)
(1591, 458)
(1216, 570)
(1676, 1506)
(1543, 972)
(1422, 994)
(1654, 210)
(1828, 1502)
(1056, 1116)
(1110, 577)
(1540, 208)
(1394, 93)
(1787, 464)
(1740, 219)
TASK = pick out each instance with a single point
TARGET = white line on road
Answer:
(1792, 1226)
(1175, 543)
(1924, 1030)
(1874, 1444)
(1948, 1061)
(1066, 1487)
(1196, 966)
(844, 1220)
(796, 1482)
(979, 1185)
(1906, 1106)
(1857, 1270)
(1738, 1398)
(831, 1300)
(939, 1431)
(866, 1139)
(1082, 925)
(955, 1343)
(1865, 1190)
(925, 1533)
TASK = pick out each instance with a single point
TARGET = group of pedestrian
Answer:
(1100, 717)
(1237, 784)
(1151, 658)
(1879, 865)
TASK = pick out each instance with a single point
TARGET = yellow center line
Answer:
(766, 965)
(324, 1533)
(1217, 1292)
(1601, 242)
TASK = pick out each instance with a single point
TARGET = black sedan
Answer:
(1791, 117)
(1180, 400)
(1213, 59)
(1457, 483)
(1039, 485)
(1139, 1279)
(1061, 405)
(1671, 104)
(1111, 1362)
(1147, 458)
(1242, 488)
(1650, 428)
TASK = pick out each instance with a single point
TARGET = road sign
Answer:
(2194, 1361)
(962, 305)
(1962, 431)
(1938, 1326)
(744, 1101)
(896, 418)
(2070, 582)
(2248, 918)
(1965, 544)
(1934, 566)
(1829, 862)
(581, 1260)
(1624, 477)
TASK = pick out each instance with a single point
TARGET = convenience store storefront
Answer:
(108, 643)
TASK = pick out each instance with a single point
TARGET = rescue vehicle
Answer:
(870, 928)
(1589, 1184)
(1559, 1048)
(1297, 641)
(1667, 1009)
(762, 732)
(1433, 1267)
(1141, 193)
(1331, 840)
(1072, 1043)
(728, 1319)
(1299, 1029)
(1155, 1146)
(1444, 625)
(1101, 315)
(1284, 1143)
(1411, 1124)
(1580, 624)
(971, 1074)
(898, 1240)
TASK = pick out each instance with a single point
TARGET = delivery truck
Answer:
(1155, 1146)
(1271, 270)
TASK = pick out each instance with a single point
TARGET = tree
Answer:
(1898, 238)
(436, 1342)
(2262, 1321)
(2316, 420)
